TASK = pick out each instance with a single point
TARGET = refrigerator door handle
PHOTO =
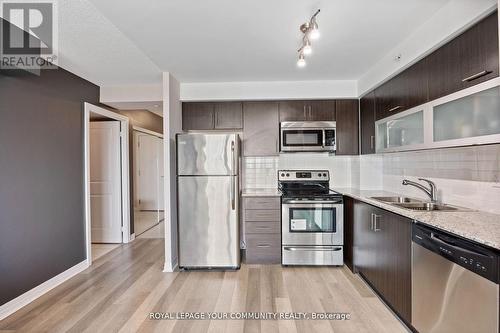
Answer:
(233, 159)
(233, 203)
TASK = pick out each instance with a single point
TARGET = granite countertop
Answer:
(478, 226)
(260, 192)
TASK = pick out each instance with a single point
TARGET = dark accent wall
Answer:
(42, 228)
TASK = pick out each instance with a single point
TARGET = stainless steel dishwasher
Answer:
(454, 284)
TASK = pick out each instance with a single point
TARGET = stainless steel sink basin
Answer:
(427, 206)
(416, 204)
(395, 200)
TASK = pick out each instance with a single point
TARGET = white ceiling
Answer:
(130, 42)
(241, 40)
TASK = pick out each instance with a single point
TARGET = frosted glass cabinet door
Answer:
(403, 131)
(474, 115)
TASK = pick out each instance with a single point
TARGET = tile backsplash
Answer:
(260, 172)
(465, 176)
(338, 166)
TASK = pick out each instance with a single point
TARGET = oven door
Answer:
(312, 223)
(302, 139)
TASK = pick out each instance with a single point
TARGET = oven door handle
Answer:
(312, 248)
(312, 202)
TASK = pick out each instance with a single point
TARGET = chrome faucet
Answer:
(431, 191)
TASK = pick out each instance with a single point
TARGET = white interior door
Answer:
(148, 172)
(105, 182)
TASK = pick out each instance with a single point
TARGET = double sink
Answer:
(416, 204)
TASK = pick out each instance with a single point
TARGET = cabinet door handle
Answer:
(475, 76)
(371, 221)
(395, 108)
(372, 141)
(310, 112)
(375, 223)
(263, 245)
(263, 227)
(305, 112)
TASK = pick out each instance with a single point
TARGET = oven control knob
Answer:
(319, 175)
(288, 175)
(282, 175)
(324, 175)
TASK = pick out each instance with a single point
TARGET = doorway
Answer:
(106, 180)
(148, 180)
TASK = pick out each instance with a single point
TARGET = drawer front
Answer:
(263, 249)
(262, 228)
(262, 203)
(259, 215)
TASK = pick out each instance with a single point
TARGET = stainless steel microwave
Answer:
(311, 136)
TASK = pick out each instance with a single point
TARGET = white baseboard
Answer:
(17, 303)
(132, 237)
(169, 269)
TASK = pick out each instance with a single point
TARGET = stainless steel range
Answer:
(312, 219)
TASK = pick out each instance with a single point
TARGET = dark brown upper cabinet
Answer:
(347, 117)
(209, 116)
(307, 110)
(390, 97)
(260, 129)
(228, 115)
(404, 91)
(467, 60)
(198, 116)
(479, 51)
(415, 80)
(367, 123)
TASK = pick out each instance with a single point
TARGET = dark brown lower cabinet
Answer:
(382, 254)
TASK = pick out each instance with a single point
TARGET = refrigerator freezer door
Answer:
(201, 154)
(208, 222)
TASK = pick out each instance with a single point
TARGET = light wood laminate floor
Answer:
(118, 292)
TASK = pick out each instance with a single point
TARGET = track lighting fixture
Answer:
(302, 61)
(310, 31)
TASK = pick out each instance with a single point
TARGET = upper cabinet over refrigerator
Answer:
(207, 154)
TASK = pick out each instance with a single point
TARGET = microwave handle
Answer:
(324, 138)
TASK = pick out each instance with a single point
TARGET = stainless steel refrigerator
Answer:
(208, 205)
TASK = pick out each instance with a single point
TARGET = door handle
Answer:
(372, 141)
(233, 193)
(395, 108)
(475, 76)
(375, 221)
(233, 159)
(312, 248)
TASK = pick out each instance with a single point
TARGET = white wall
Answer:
(271, 90)
(172, 124)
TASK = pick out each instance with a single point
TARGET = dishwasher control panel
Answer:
(469, 255)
